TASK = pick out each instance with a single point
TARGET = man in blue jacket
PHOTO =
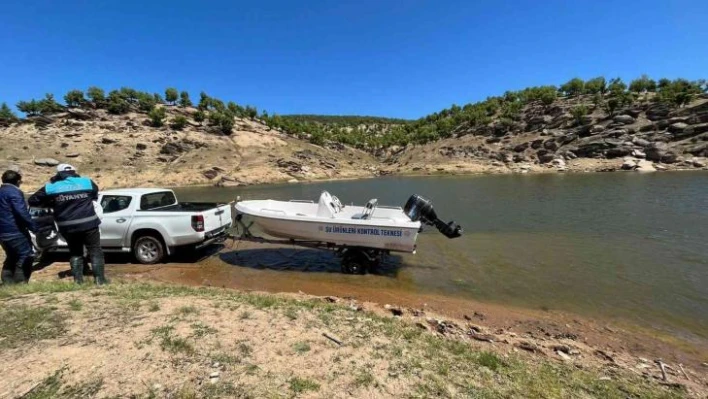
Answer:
(71, 197)
(15, 224)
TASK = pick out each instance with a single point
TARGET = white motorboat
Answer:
(362, 233)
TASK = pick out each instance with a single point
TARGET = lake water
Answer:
(628, 246)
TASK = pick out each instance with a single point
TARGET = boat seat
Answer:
(369, 209)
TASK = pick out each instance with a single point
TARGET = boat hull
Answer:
(338, 232)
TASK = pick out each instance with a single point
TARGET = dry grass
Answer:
(166, 341)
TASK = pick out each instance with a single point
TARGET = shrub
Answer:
(6, 114)
(179, 122)
(171, 95)
(204, 101)
(251, 112)
(578, 112)
(199, 116)
(184, 100)
(158, 98)
(75, 98)
(157, 116)
(642, 84)
(117, 104)
(224, 122)
(96, 95)
(31, 108)
(573, 87)
(146, 102)
(596, 85)
(48, 105)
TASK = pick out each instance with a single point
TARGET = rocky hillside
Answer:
(128, 150)
(645, 135)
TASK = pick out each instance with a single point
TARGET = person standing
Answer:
(15, 225)
(71, 196)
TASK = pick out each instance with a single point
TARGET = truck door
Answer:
(117, 216)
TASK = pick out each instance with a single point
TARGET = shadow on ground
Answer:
(301, 260)
(184, 256)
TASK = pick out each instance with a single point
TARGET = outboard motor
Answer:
(419, 208)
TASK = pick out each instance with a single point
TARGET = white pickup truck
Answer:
(150, 223)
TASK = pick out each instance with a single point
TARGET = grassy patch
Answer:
(171, 343)
(301, 347)
(187, 310)
(75, 305)
(153, 307)
(245, 349)
(364, 379)
(21, 324)
(53, 387)
(245, 315)
(202, 330)
(489, 360)
(290, 313)
(301, 385)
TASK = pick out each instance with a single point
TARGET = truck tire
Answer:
(148, 250)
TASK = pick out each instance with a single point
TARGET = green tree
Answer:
(224, 122)
(96, 95)
(130, 95)
(641, 85)
(6, 114)
(184, 100)
(158, 98)
(611, 105)
(171, 95)
(75, 98)
(596, 85)
(31, 108)
(547, 97)
(146, 102)
(179, 122)
(663, 83)
(204, 101)
(48, 105)
(157, 116)
(236, 109)
(578, 113)
(573, 87)
(117, 104)
(199, 116)
(251, 112)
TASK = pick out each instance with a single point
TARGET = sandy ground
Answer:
(129, 339)
(555, 335)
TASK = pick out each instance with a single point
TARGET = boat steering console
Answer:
(421, 209)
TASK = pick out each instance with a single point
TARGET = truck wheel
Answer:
(148, 250)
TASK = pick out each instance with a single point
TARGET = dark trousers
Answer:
(18, 260)
(91, 239)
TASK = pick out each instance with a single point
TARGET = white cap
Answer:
(65, 167)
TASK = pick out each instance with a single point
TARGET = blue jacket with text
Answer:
(71, 197)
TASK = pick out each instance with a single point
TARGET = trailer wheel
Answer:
(148, 250)
(355, 263)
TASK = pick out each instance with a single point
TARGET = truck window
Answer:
(115, 203)
(157, 200)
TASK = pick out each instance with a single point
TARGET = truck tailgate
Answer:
(217, 218)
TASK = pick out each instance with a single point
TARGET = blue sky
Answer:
(403, 58)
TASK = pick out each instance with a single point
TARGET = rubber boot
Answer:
(77, 269)
(99, 276)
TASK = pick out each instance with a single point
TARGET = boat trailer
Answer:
(354, 260)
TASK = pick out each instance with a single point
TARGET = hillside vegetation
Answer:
(130, 137)
(579, 126)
